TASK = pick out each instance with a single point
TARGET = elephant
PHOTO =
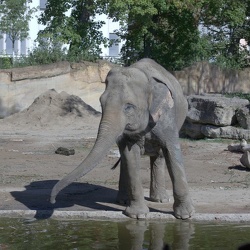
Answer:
(143, 109)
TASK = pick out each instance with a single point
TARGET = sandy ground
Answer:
(29, 168)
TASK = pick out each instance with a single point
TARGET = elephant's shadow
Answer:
(37, 195)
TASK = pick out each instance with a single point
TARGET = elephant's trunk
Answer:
(107, 136)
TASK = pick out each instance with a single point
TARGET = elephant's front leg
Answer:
(130, 157)
(158, 192)
(123, 196)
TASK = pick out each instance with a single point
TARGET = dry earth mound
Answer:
(52, 109)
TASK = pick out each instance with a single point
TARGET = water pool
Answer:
(130, 234)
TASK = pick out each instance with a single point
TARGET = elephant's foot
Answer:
(122, 198)
(137, 210)
(161, 197)
(183, 208)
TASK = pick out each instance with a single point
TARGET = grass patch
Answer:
(213, 140)
(239, 95)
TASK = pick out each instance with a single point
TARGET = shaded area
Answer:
(83, 196)
(239, 167)
(37, 195)
(74, 104)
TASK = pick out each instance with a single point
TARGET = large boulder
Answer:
(245, 159)
(214, 109)
(200, 131)
(243, 116)
(192, 130)
(225, 132)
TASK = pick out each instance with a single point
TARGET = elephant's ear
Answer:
(161, 98)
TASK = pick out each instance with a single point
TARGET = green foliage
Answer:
(45, 53)
(225, 23)
(49, 51)
(166, 31)
(79, 30)
(14, 22)
(239, 95)
(169, 31)
(5, 62)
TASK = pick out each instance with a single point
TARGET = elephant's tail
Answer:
(116, 164)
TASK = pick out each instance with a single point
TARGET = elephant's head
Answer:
(126, 109)
(126, 100)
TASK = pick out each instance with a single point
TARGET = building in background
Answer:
(108, 30)
(27, 45)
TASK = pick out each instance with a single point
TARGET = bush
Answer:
(45, 55)
(239, 95)
(5, 62)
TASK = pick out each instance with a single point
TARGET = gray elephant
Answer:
(143, 109)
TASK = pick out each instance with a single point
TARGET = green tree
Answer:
(79, 29)
(15, 17)
(225, 22)
(162, 30)
(170, 31)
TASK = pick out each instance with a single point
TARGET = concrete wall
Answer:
(19, 87)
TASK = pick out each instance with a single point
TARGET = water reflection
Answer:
(155, 235)
(126, 235)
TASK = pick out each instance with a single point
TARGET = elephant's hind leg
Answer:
(183, 206)
(169, 137)
(158, 191)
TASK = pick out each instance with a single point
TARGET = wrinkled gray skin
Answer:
(143, 108)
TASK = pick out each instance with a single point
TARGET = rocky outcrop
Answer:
(230, 132)
(20, 86)
(216, 116)
(214, 109)
(243, 117)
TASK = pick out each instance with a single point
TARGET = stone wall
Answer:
(20, 86)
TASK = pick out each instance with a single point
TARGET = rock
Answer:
(243, 117)
(241, 147)
(234, 148)
(192, 130)
(214, 109)
(104, 68)
(245, 159)
(225, 132)
(211, 131)
(65, 151)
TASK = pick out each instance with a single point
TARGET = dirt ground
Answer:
(29, 166)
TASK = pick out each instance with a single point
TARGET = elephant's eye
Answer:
(129, 107)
